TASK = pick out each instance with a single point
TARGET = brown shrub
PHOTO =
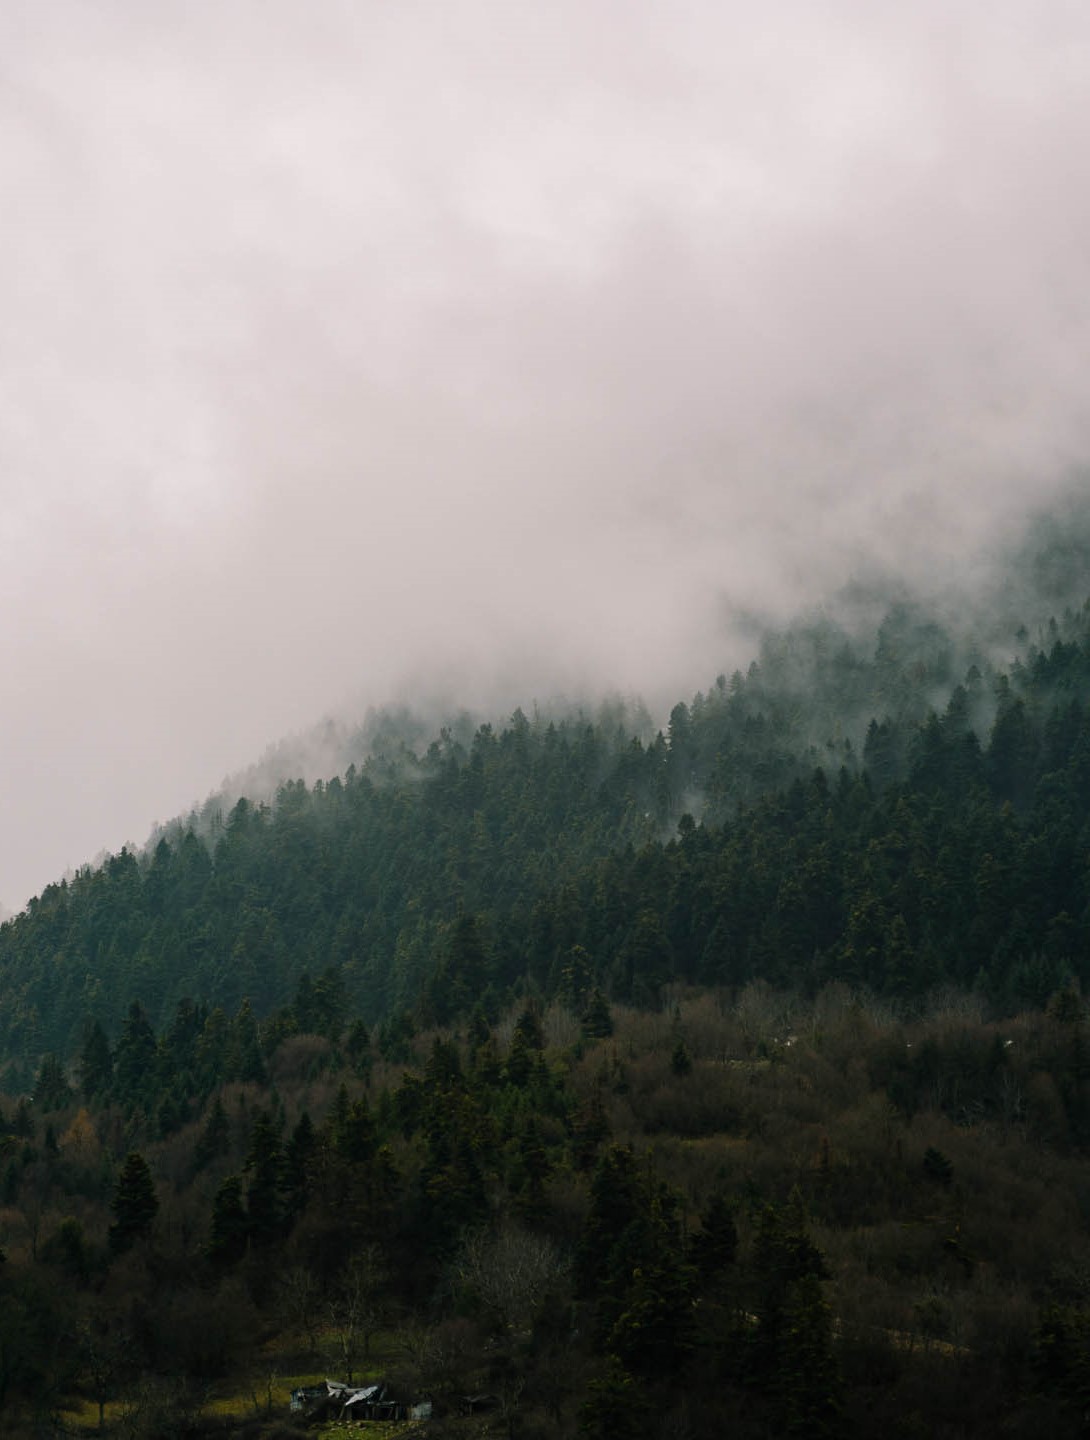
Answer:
(299, 1058)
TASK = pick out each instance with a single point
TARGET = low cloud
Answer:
(491, 350)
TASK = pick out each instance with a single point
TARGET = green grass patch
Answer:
(83, 1414)
(266, 1389)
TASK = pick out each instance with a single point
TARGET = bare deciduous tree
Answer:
(102, 1356)
(356, 1309)
(301, 1299)
(511, 1271)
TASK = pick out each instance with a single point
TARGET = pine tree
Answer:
(134, 1059)
(96, 1066)
(178, 1045)
(51, 1088)
(808, 1383)
(528, 1029)
(616, 1201)
(597, 1022)
(575, 979)
(531, 1171)
(652, 1332)
(357, 1046)
(715, 1244)
(134, 1205)
(67, 1247)
(215, 1137)
(263, 1205)
(354, 1137)
(589, 1128)
(210, 1051)
(230, 1224)
(615, 1407)
(937, 1167)
(243, 1060)
(519, 1065)
(784, 1255)
(681, 1062)
(299, 1154)
(22, 1122)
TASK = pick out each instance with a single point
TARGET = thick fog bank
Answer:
(360, 353)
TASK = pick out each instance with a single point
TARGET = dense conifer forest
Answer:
(727, 1079)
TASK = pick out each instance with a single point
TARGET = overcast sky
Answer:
(352, 346)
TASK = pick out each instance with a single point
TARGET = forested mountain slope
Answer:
(729, 1079)
(894, 810)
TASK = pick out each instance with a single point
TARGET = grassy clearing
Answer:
(266, 1389)
(83, 1414)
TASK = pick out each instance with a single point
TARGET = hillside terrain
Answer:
(733, 1078)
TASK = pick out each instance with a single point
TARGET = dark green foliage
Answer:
(590, 1127)
(1061, 1356)
(230, 1229)
(530, 1171)
(134, 1058)
(652, 1284)
(243, 1060)
(681, 1062)
(616, 1203)
(951, 843)
(299, 1157)
(451, 1192)
(178, 1043)
(575, 979)
(785, 1257)
(808, 1384)
(134, 1205)
(51, 1089)
(704, 1306)
(171, 1115)
(394, 1036)
(645, 961)
(214, 1137)
(614, 1408)
(528, 1029)
(463, 970)
(526, 1046)
(715, 1245)
(886, 828)
(263, 1172)
(67, 1248)
(937, 1167)
(353, 1134)
(357, 1047)
(597, 1023)
(96, 1066)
